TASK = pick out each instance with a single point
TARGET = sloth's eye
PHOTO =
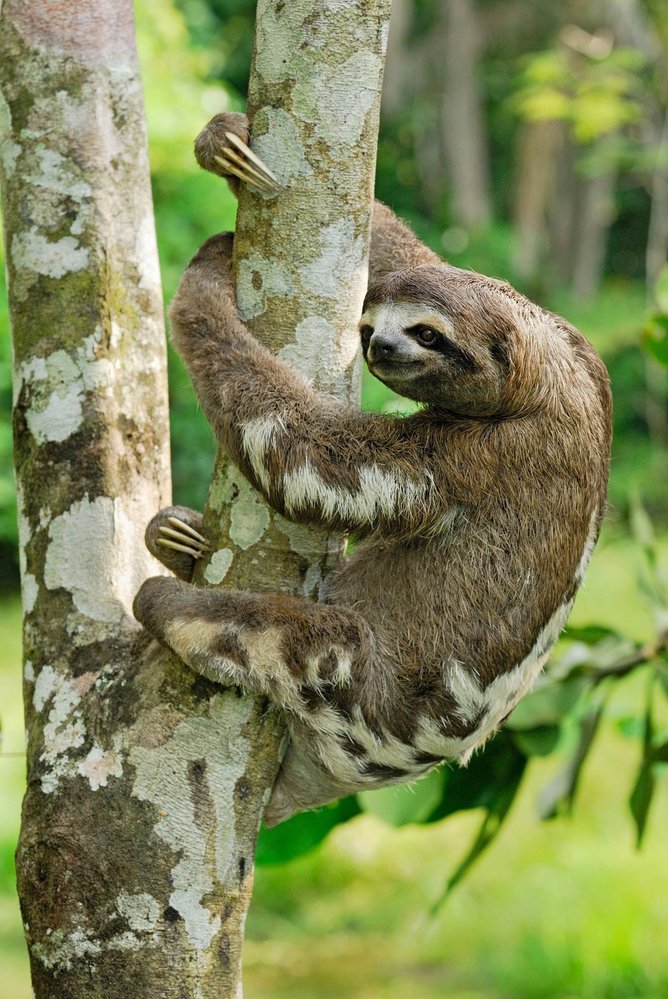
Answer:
(426, 335)
(366, 332)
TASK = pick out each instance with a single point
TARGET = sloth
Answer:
(475, 517)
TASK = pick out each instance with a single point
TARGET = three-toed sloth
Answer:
(475, 517)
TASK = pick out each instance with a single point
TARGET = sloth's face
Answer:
(418, 351)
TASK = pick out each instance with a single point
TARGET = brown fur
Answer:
(473, 516)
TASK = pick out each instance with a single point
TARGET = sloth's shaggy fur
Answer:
(475, 517)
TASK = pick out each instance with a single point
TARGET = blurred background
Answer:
(528, 141)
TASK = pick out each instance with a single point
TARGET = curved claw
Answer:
(240, 161)
(181, 525)
(181, 537)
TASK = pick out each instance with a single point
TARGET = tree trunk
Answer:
(146, 784)
(595, 215)
(399, 83)
(464, 136)
(656, 259)
(539, 146)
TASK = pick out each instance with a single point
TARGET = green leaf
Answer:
(302, 832)
(590, 634)
(405, 803)
(641, 799)
(660, 753)
(540, 741)
(479, 784)
(630, 727)
(547, 705)
(655, 338)
(661, 290)
(642, 528)
(491, 825)
(643, 790)
(559, 794)
(662, 670)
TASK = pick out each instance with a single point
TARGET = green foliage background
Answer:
(554, 910)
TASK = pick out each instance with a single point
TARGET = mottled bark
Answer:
(301, 266)
(146, 784)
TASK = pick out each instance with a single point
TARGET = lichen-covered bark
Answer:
(127, 857)
(301, 265)
(146, 784)
(301, 257)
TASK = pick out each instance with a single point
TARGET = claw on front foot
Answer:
(173, 537)
(240, 161)
(181, 537)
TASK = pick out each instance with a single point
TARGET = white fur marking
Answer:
(380, 493)
(589, 546)
(257, 437)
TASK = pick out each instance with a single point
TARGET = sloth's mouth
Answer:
(391, 363)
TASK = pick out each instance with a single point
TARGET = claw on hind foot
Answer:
(239, 160)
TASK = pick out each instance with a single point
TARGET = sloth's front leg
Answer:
(222, 147)
(175, 538)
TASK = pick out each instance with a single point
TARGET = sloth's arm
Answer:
(393, 246)
(315, 460)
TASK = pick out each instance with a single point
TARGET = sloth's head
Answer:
(450, 339)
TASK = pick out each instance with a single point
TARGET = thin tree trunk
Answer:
(539, 146)
(464, 139)
(146, 784)
(399, 83)
(656, 258)
(595, 215)
(657, 236)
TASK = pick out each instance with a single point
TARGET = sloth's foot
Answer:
(175, 538)
(222, 148)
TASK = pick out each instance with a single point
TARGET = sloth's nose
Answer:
(381, 347)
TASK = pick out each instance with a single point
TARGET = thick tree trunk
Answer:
(146, 784)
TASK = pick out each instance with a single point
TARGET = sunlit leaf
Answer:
(303, 832)
(547, 104)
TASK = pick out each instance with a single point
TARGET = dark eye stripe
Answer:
(447, 347)
(461, 356)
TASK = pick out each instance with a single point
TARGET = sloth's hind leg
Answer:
(304, 656)
(174, 536)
